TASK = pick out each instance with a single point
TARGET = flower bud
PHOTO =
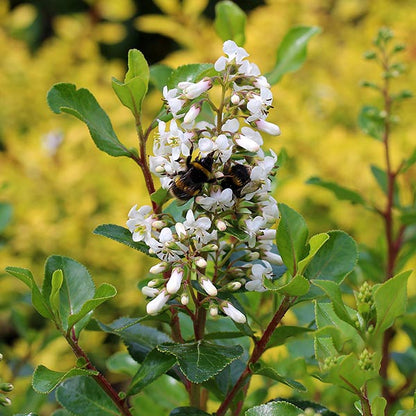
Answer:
(200, 262)
(151, 292)
(192, 114)
(158, 268)
(160, 169)
(158, 224)
(5, 401)
(156, 305)
(209, 247)
(6, 387)
(273, 258)
(208, 286)
(155, 282)
(175, 280)
(184, 299)
(253, 255)
(233, 313)
(235, 99)
(213, 310)
(232, 286)
(192, 90)
(221, 225)
(268, 127)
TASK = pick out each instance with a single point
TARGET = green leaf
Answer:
(282, 333)
(389, 307)
(334, 293)
(340, 192)
(274, 409)
(378, 406)
(335, 259)
(230, 22)
(315, 243)
(305, 404)
(153, 366)
(77, 288)
(121, 362)
(6, 212)
(409, 162)
(38, 300)
(189, 73)
(371, 122)
(83, 396)
(121, 235)
(61, 412)
(188, 411)
(45, 380)
(274, 375)
(54, 301)
(297, 286)
(291, 237)
(292, 52)
(102, 294)
(132, 92)
(201, 360)
(159, 75)
(82, 104)
(381, 177)
(408, 215)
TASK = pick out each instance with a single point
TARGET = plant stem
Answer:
(99, 378)
(258, 350)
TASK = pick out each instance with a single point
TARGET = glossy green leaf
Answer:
(201, 360)
(318, 408)
(188, 411)
(315, 243)
(381, 177)
(61, 412)
(122, 362)
(371, 122)
(189, 73)
(291, 237)
(389, 307)
(340, 192)
(38, 300)
(102, 294)
(6, 212)
(334, 293)
(230, 22)
(282, 333)
(297, 286)
(77, 287)
(274, 375)
(82, 104)
(159, 75)
(45, 380)
(153, 366)
(274, 409)
(292, 52)
(324, 348)
(335, 259)
(121, 235)
(54, 297)
(132, 91)
(83, 396)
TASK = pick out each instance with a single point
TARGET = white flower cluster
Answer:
(230, 180)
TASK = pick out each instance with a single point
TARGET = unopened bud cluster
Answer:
(4, 389)
(232, 211)
(366, 360)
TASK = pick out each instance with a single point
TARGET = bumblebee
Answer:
(236, 178)
(190, 182)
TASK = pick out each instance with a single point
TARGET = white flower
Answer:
(174, 103)
(156, 305)
(259, 272)
(175, 280)
(198, 227)
(166, 248)
(231, 126)
(233, 313)
(235, 54)
(268, 127)
(193, 90)
(140, 223)
(273, 258)
(221, 144)
(258, 105)
(252, 227)
(219, 200)
(208, 286)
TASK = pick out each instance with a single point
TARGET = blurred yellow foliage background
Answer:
(60, 195)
